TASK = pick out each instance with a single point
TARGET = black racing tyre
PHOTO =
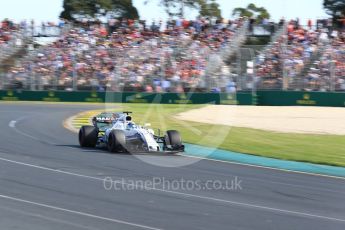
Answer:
(88, 136)
(116, 141)
(173, 138)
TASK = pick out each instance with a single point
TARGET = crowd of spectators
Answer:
(173, 56)
(290, 53)
(128, 54)
(328, 73)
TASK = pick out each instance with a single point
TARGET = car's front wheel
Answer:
(173, 141)
(116, 141)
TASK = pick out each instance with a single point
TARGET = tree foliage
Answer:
(335, 8)
(176, 8)
(252, 11)
(125, 9)
(210, 8)
(77, 9)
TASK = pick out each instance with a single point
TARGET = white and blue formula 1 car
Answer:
(119, 133)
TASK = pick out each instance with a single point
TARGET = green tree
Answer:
(335, 8)
(176, 8)
(77, 9)
(124, 9)
(252, 10)
(210, 8)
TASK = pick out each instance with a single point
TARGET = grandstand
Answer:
(179, 56)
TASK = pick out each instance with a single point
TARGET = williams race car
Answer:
(119, 133)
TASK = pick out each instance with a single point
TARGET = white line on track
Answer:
(12, 124)
(241, 204)
(264, 167)
(45, 217)
(79, 213)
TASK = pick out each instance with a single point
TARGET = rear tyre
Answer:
(116, 141)
(173, 139)
(88, 136)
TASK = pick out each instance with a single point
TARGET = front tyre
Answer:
(116, 141)
(88, 136)
(173, 141)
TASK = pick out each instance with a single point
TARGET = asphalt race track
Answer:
(48, 182)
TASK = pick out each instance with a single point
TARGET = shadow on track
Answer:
(103, 150)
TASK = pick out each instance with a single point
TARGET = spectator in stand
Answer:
(310, 24)
(7, 29)
(342, 22)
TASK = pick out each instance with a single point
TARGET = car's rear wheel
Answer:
(88, 136)
(117, 141)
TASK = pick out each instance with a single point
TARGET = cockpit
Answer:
(129, 123)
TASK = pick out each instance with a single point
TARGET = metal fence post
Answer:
(254, 87)
(32, 79)
(2, 80)
(2, 77)
(239, 70)
(286, 79)
(332, 75)
(56, 80)
(74, 80)
(285, 85)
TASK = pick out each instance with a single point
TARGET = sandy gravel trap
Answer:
(289, 119)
